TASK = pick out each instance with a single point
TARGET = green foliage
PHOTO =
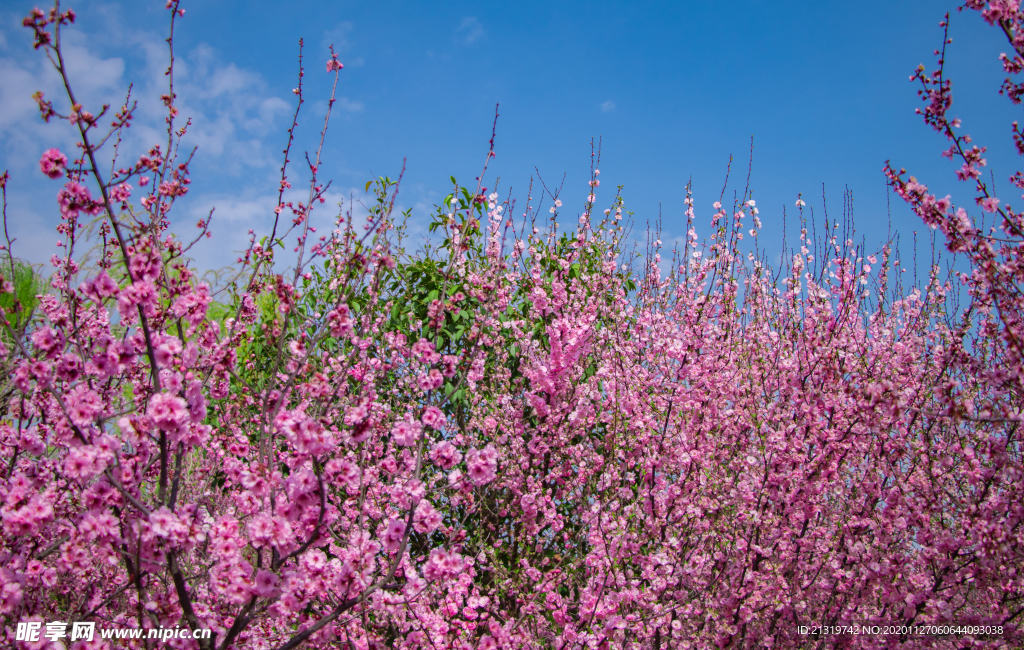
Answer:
(429, 295)
(20, 305)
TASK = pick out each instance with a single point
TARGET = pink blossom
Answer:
(339, 321)
(82, 463)
(430, 380)
(10, 597)
(394, 534)
(121, 192)
(166, 525)
(283, 534)
(101, 527)
(73, 198)
(442, 565)
(145, 266)
(427, 519)
(139, 293)
(261, 531)
(193, 305)
(168, 411)
(266, 583)
(27, 519)
(47, 339)
(445, 455)
(424, 351)
(166, 350)
(406, 432)
(433, 417)
(196, 401)
(686, 454)
(53, 163)
(482, 464)
(83, 405)
(345, 470)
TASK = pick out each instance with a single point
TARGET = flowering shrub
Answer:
(534, 448)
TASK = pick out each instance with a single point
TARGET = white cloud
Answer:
(608, 106)
(237, 125)
(469, 30)
(234, 215)
(349, 105)
(339, 36)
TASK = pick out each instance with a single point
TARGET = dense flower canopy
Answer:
(520, 440)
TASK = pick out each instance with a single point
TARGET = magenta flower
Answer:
(424, 351)
(166, 525)
(46, 339)
(406, 432)
(53, 163)
(445, 455)
(433, 417)
(430, 380)
(83, 405)
(266, 583)
(427, 519)
(168, 411)
(990, 204)
(482, 465)
(261, 531)
(121, 192)
(394, 534)
(74, 198)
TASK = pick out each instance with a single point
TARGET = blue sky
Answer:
(672, 89)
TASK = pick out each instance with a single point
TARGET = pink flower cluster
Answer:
(53, 163)
(551, 448)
